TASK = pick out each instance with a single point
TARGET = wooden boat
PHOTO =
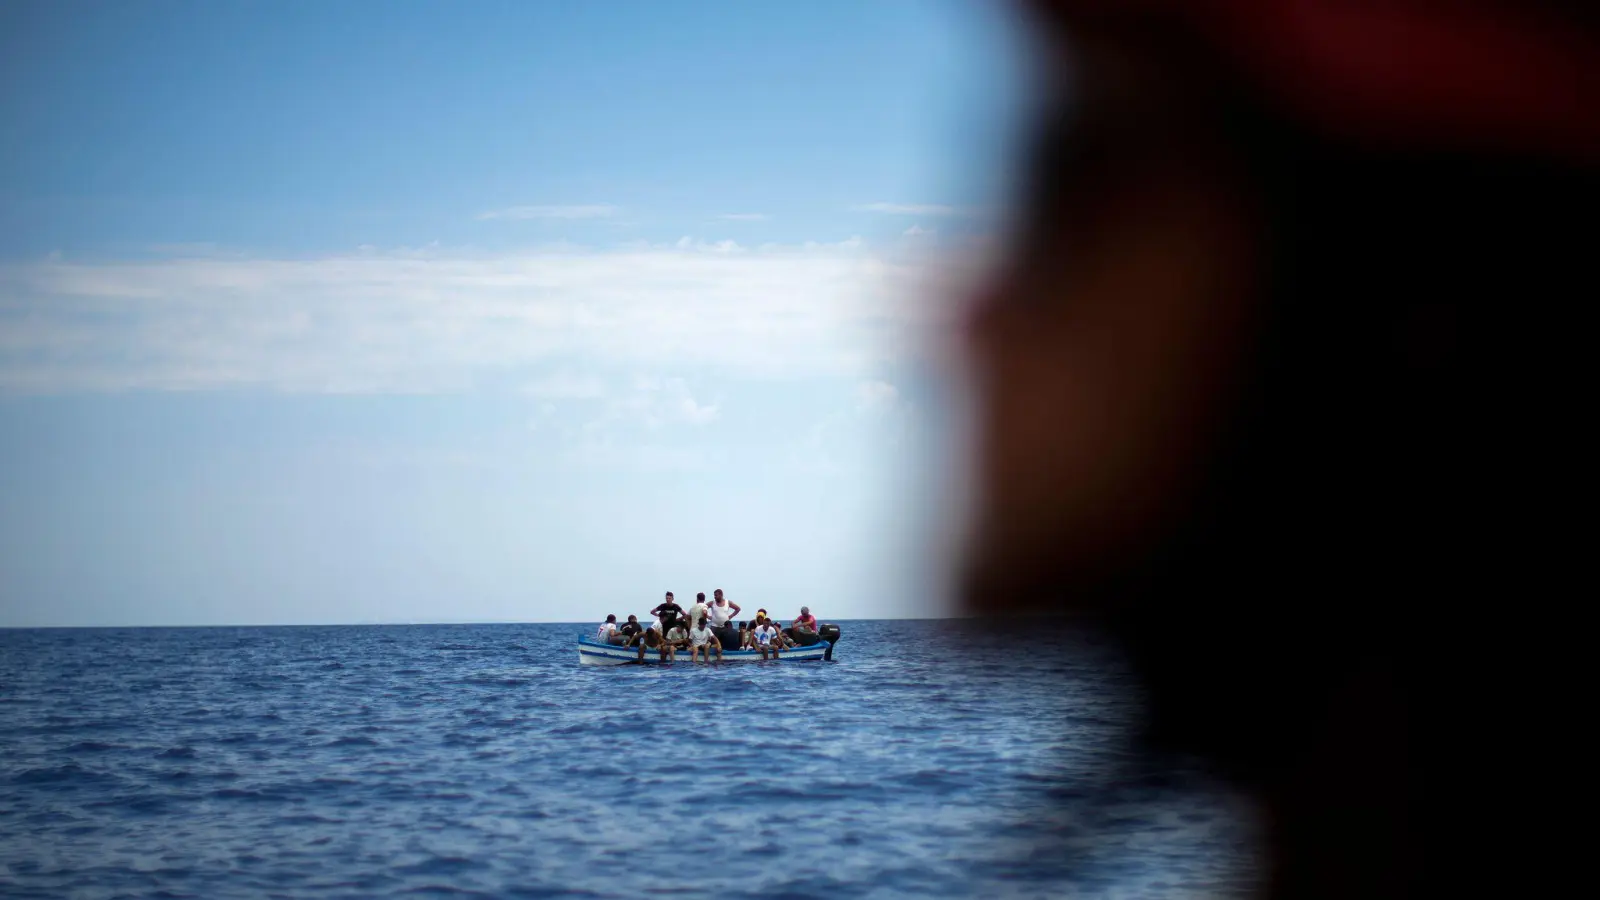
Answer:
(593, 653)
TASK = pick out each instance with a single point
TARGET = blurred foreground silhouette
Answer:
(1271, 381)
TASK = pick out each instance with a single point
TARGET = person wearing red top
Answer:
(805, 620)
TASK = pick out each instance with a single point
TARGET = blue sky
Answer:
(388, 312)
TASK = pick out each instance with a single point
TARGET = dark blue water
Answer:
(483, 760)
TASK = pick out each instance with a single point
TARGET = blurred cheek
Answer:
(1098, 381)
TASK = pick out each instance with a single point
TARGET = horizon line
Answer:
(417, 624)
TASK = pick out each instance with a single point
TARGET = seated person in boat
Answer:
(766, 637)
(631, 630)
(744, 636)
(805, 621)
(781, 639)
(607, 632)
(703, 640)
(652, 639)
(668, 612)
(676, 638)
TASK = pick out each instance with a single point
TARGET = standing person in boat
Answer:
(607, 632)
(701, 640)
(722, 609)
(667, 613)
(697, 612)
(721, 613)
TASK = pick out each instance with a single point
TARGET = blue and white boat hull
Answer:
(593, 653)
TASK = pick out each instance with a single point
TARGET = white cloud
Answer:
(744, 217)
(834, 444)
(724, 246)
(608, 453)
(911, 209)
(565, 386)
(443, 320)
(648, 424)
(659, 401)
(876, 396)
(918, 231)
(582, 211)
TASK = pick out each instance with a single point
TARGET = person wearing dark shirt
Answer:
(631, 630)
(668, 612)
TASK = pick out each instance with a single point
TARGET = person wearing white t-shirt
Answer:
(676, 638)
(703, 640)
(607, 632)
(698, 611)
(766, 637)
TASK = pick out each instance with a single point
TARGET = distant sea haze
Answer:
(357, 761)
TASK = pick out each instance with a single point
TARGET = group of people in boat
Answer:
(707, 628)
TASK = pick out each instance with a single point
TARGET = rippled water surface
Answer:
(482, 759)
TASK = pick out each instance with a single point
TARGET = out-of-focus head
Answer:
(1107, 347)
(1103, 339)
(1266, 262)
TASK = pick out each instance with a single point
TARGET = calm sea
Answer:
(482, 760)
